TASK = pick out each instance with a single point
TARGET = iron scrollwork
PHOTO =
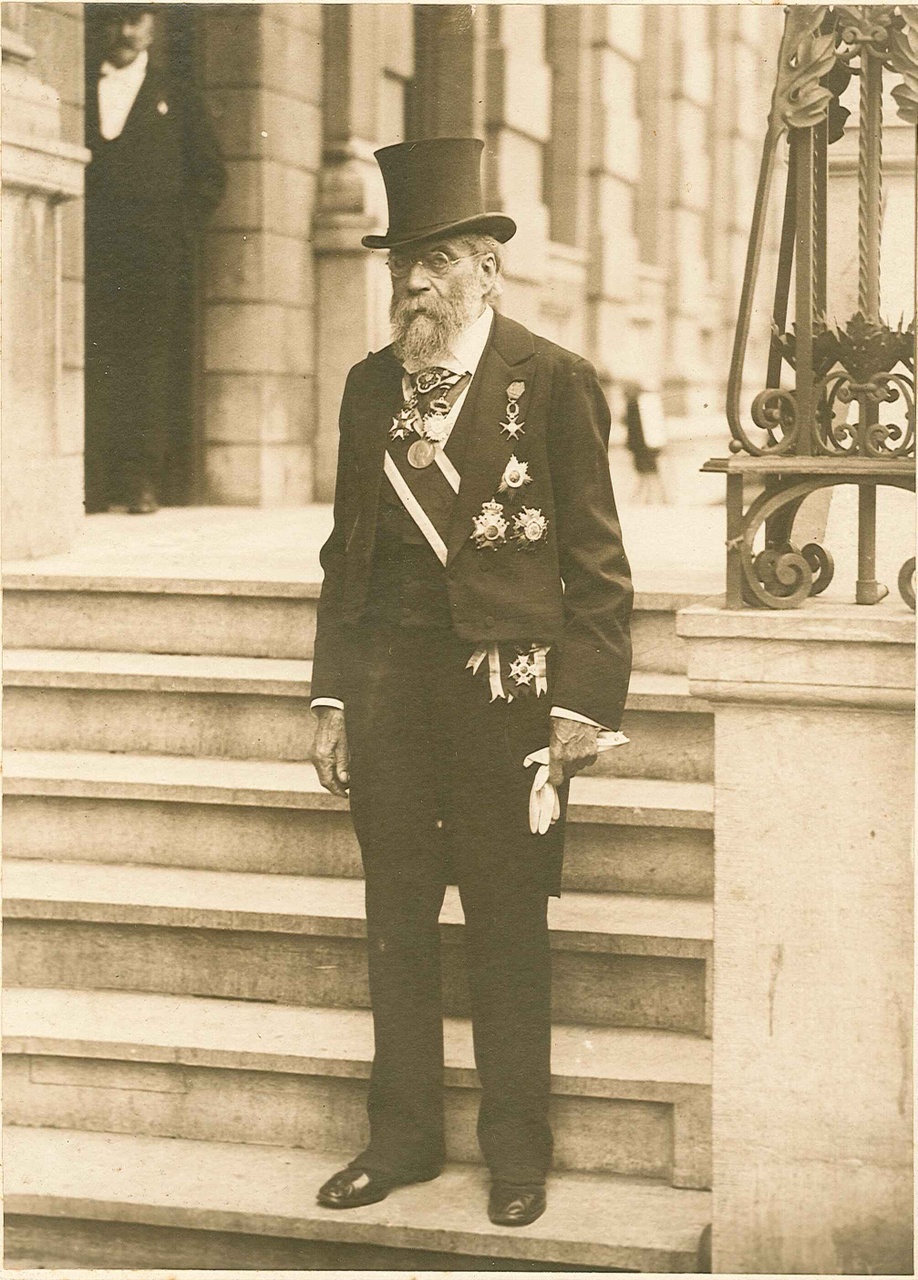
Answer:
(849, 414)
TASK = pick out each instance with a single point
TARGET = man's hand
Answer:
(571, 747)
(329, 750)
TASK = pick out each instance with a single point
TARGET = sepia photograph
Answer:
(458, 561)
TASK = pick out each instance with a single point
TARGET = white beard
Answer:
(425, 329)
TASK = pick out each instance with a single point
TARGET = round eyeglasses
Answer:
(435, 263)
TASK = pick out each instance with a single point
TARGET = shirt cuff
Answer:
(327, 702)
(575, 715)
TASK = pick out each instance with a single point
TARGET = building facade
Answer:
(623, 139)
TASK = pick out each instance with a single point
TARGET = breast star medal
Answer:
(516, 474)
(529, 527)
(421, 454)
(511, 424)
(489, 529)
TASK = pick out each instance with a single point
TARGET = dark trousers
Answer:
(132, 312)
(439, 794)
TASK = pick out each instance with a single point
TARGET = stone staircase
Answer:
(187, 1034)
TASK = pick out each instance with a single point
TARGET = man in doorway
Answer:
(475, 609)
(155, 176)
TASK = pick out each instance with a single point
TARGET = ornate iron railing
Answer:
(797, 438)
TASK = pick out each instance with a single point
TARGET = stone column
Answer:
(42, 459)
(262, 74)
(518, 125)
(448, 94)
(368, 58)
(617, 41)
(813, 958)
(689, 385)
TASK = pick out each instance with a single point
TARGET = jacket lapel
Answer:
(508, 357)
(381, 400)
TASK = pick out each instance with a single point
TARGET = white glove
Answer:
(544, 805)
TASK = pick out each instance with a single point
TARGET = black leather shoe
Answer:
(352, 1187)
(515, 1206)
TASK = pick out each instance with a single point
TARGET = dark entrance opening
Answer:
(175, 50)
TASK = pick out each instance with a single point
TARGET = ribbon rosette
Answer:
(516, 474)
(489, 529)
(544, 805)
(529, 527)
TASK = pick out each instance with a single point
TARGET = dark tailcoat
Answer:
(572, 592)
(147, 192)
(438, 790)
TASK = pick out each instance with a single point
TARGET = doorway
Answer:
(175, 51)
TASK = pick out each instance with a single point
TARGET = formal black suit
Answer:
(438, 788)
(147, 192)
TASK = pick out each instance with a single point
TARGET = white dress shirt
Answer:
(118, 90)
(464, 358)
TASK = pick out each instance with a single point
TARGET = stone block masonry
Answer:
(262, 76)
(814, 904)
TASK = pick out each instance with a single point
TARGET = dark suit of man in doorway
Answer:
(475, 609)
(155, 176)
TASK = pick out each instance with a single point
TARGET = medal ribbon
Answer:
(541, 679)
(437, 384)
(427, 493)
(497, 689)
(492, 652)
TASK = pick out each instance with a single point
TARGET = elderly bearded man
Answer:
(475, 609)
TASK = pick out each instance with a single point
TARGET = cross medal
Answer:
(511, 423)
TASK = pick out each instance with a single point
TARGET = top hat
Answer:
(433, 187)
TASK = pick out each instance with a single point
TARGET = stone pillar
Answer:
(42, 459)
(448, 94)
(615, 159)
(743, 49)
(813, 959)
(262, 74)
(369, 58)
(518, 127)
(689, 385)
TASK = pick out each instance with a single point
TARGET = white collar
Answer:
(468, 348)
(135, 70)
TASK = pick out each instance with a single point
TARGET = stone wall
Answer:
(43, 276)
(262, 74)
(813, 934)
(623, 139)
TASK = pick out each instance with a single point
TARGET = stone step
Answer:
(619, 959)
(241, 1190)
(626, 835)
(625, 1101)
(235, 617)
(213, 705)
